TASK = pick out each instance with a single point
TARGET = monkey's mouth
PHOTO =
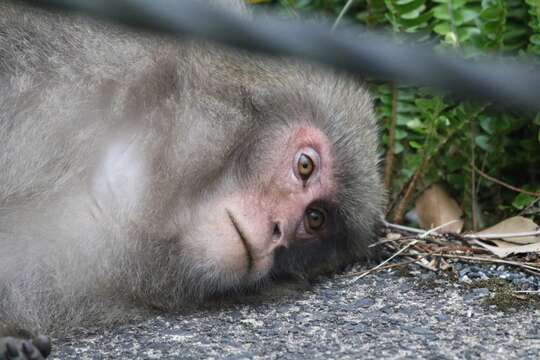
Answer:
(242, 237)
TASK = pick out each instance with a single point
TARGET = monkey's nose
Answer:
(278, 235)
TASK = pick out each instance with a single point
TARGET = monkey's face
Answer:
(285, 204)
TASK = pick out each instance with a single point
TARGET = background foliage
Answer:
(429, 138)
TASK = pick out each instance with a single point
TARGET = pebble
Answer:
(470, 273)
(365, 302)
(442, 317)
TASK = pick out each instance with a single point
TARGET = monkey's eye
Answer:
(314, 220)
(305, 166)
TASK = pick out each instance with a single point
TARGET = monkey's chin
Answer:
(259, 269)
(255, 273)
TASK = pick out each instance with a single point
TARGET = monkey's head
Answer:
(296, 191)
(264, 170)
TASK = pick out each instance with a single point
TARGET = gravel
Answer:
(383, 315)
(522, 281)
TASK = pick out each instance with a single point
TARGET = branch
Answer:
(479, 258)
(502, 183)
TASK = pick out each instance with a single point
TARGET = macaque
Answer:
(139, 171)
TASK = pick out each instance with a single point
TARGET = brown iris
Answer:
(314, 220)
(305, 166)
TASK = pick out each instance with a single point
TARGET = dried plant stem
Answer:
(434, 230)
(466, 236)
(502, 183)
(385, 267)
(478, 258)
(407, 196)
(387, 260)
(402, 206)
(403, 227)
(501, 236)
(341, 14)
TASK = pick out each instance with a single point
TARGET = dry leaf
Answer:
(444, 265)
(426, 264)
(435, 207)
(393, 236)
(504, 248)
(516, 224)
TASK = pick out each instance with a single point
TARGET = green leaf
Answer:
(466, 32)
(416, 22)
(442, 28)
(416, 145)
(400, 134)
(453, 163)
(441, 12)
(405, 107)
(468, 15)
(407, 6)
(521, 201)
(482, 141)
(535, 39)
(415, 124)
(398, 148)
(403, 119)
(443, 120)
(491, 13)
(486, 123)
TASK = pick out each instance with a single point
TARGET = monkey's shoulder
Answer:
(35, 41)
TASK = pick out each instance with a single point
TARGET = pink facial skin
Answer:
(240, 240)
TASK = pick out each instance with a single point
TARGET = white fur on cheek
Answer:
(122, 174)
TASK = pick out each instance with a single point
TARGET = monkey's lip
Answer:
(243, 239)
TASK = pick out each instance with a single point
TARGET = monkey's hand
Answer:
(22, 349)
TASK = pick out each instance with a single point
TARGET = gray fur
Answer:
(69, 85)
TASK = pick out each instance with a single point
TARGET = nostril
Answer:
(276, 232)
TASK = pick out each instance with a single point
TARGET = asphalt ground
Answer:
(388, 315)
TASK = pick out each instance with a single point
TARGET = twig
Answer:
(341, 14)
(535, 273)
(502, 183)
(478, 258)
(403, 227)
(434, 230)
(408, 194)
(420, 261)
(387, 260)
(385, 267)
(411, 186)
(531, 292)
(527, 210)
(423, 233)
(466, 236)
(501, 236)
(385, 241)
(461, 249)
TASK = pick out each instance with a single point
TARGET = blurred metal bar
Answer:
(499, 81)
